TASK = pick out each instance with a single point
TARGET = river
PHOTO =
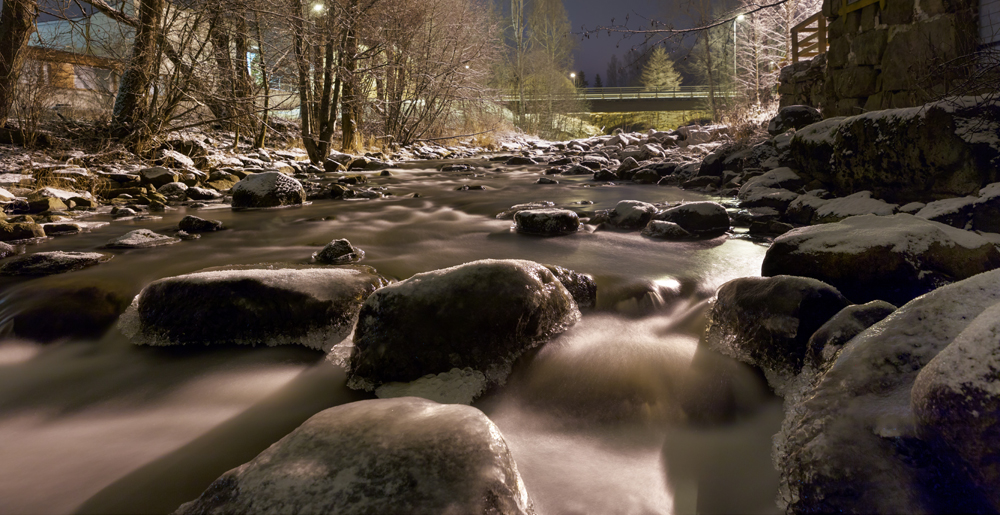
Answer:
(623, 414)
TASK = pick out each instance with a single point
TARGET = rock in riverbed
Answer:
(49, 263)
(481, 315)
(275, 305)
(404, 455)
(267, 189)
(892, 258)
(546, 222)
(140, 239)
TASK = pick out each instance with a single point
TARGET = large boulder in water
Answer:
(49, 263)
(481, 315)
(701, 219)
(767, 322)
(404, 455)
(546, 222)
(892, 258)
(956, 400)
(310, 306)
(850, 442)
(267, 189)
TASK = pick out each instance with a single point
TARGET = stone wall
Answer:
(902, 55)
(802, 83)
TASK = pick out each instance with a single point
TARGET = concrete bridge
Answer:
(626, 100)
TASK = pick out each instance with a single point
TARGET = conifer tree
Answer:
(659, 73)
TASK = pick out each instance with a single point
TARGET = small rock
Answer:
(793, 117)
(339, 252)
(546, 222)
(139, 239)
(700, 219)
(20, 231)
(631, 214)
(194, 224)
(662, 230)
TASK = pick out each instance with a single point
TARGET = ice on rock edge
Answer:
(457, 386)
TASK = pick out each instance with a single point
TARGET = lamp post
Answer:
(573, 76)
(736, 19)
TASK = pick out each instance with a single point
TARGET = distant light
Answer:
(318, 7)
(466, 67)
(572, 75)
(741, 17)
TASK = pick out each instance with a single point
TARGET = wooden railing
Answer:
(809, 37)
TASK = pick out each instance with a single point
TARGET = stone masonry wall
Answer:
(901, 56)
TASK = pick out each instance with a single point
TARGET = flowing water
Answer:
(623, 414)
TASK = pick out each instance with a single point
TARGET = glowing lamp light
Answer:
(317, 8)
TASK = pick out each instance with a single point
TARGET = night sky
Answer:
(592, 54)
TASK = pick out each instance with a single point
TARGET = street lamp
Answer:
(573, 76)
(738, 18)
(318, 8)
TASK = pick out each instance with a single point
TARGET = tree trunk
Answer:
(711, 78)
(17, 22)
(132, 103)
(350, 104)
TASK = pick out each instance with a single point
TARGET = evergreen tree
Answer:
(659, 73)
(597, 81)
(582, 80)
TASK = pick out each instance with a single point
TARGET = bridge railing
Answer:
(634, 93)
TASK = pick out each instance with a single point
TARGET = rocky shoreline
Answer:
(886, 409)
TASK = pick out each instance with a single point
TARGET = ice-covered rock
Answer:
(481, 315)
(860, 203)
(140, 239)
(631, 214)
(956, 400)
(831, 336)
(662, 230)
(581, 286)
(49, 263)
(546, 222)
(274, 305)
(701, 219)
(404, 455)
(7, 250)
(850, 440)
(339, 252)
(267, 189)
(892, 258)
(767, 322)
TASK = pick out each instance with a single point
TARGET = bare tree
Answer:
(17, 22)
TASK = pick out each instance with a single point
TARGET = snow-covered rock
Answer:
(850, 440)
(508, 214)
(195, 193)
(173, 190)
(309, 306)
(956, 400)
(701, 219)
(267, 189)
(803, 209)
(767, 322)
(158, 176)
(139, 239)
(481, 315)
(956, 212)
(949, 147)
(860, 203)
(404, 455)
(49, 263)
(793, 117)
(546, 222)
(892, 258)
